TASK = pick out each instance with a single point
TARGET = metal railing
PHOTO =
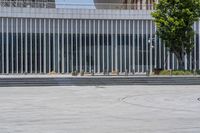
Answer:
(30, 4)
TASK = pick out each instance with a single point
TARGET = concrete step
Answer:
(91, 81)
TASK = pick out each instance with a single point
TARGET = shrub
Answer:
(198, 72)
(188, 73)
(74, 73)
(157, 71)
(165, 72)
(176, 72)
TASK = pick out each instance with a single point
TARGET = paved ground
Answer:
(117, 109)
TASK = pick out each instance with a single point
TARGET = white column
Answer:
(160, 65)
(151, 47)
(138, 45)
(63, 47)
(2, 26)
(12, 55)
(17, 45)
(116, 47)
(112, 46)
(7, 47)
(192, 54)
(85, 45)
(103, 31)
(173, 61)
(58, 41)
(144, 4)
(164, 54)
(54, 45)
(76, 45)
(133, 50)
(40, 32)
(45, 47)
(129, 44)
(120, 45)
(94, 28)
(67, 46)
(50, 46)
(108, 65)
(155, 48)
(90, 47)
(72, 62)
(147, 45)
(138, 4)
(190, 60)
(125, 43)
(35, 45)
(195, 47)
(26, 50)
(199, 44)
(21, 46)
(98, 49)
(186, 61)
(80, 49)
(142, 46)
(31, 45)
(168, 59)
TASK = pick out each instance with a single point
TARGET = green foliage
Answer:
(178, 73)
(165, 72)
(175, 72)
(174, 20)
(198, 72)
(188, 73)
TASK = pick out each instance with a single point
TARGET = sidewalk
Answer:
(87, 76)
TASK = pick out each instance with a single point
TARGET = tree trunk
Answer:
(181, 64)
(181, 59)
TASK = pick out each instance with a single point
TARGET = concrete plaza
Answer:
(97, 109)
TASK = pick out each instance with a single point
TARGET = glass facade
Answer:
(42, 46)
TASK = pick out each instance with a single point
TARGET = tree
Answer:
(174, 20)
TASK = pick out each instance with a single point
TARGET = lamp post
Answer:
(150, 42)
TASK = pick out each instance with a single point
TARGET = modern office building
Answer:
(124, 4)
(35, 40)
(28, 3)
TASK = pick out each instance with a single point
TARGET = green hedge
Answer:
(176, 72)
(198, 72)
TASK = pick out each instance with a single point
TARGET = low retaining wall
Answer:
(96, 81)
